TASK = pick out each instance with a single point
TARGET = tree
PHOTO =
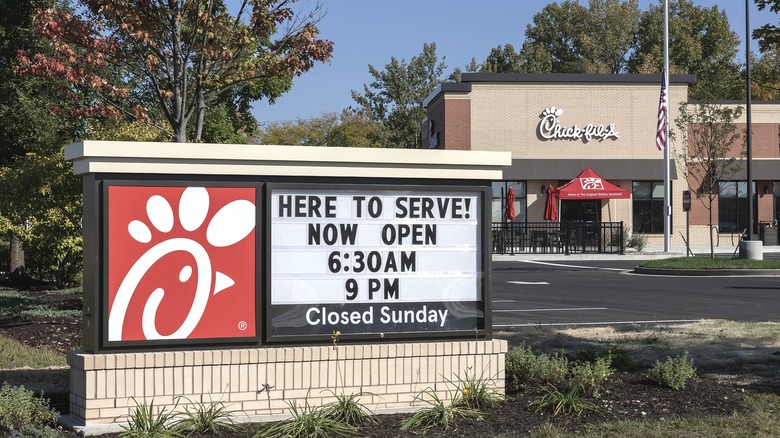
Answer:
(172, 60)
(609, 35)
(570, 38)
(502, 60)
(700, 42)
(768, 35)
(395, 98)
(39, 197)
(555, 33)
(349, 129)
(355, 129)
(709, 134)
(765, 76)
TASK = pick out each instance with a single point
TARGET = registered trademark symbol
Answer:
(242, 325)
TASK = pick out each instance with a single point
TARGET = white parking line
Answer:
(571, 266)
(552, 310)
(528, 282)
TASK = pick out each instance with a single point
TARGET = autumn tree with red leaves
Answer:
(167, 61)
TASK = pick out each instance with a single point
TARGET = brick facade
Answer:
(506, 110)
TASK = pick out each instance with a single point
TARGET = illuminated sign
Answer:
(551, 129)
(375, 261)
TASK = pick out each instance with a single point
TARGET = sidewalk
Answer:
(649, 253)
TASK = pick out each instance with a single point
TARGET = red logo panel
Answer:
(181, 262)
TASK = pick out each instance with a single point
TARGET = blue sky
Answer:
(372, 31)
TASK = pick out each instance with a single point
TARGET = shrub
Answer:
(638, 241)
(591, 375)
(619, 359)
(523, 366)
(675, 372)
(20, 409)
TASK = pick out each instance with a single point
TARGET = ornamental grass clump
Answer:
(564, 402)
(674, 372)
(146, 422)
(346, 408)
(211, 418)
(310, 422)
(438, 414)
(477, 392)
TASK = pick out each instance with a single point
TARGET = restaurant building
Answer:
(559, 125)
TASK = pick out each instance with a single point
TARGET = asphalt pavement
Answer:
(602, 289)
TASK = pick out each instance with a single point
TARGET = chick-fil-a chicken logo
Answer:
(181, 262)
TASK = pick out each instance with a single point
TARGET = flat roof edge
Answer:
(447, 87)
(575, 77)
(228, 159)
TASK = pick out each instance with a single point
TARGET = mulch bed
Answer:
(627, 395)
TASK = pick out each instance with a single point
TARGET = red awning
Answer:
(589, 185)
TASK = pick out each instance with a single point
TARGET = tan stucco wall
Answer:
(506, 117)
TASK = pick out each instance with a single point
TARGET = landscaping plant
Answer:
(524, 367)
(21, 410)
(348, 409)
(570, 401)
(310, 422)
(438, 414)
(477, 392)
(144, 422)
(674, 372)
(591, 375)
(212, 418)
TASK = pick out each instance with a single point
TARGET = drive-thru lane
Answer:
(606, 292)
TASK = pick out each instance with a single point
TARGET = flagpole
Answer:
(667, 183)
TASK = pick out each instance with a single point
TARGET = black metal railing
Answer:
(558, 237)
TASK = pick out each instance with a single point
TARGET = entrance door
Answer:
(581, 211)
(584, 236)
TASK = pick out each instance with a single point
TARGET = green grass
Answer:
(709, 263)
(14, 355)
(19, 304)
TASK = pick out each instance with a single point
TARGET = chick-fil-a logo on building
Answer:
(550, 128)
(181, 262)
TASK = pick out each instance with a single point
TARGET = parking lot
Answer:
(606, 292)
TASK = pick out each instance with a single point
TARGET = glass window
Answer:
(732, 206)
(648, 206)
(500, 190)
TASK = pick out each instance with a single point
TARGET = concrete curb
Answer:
(708, 272)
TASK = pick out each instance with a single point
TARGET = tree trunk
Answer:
(712, 242)
(180, 134)
(200, 118)
(17, 255)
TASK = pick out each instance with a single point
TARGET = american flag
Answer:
(663, 108)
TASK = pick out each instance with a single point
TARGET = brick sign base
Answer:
(257, 384)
